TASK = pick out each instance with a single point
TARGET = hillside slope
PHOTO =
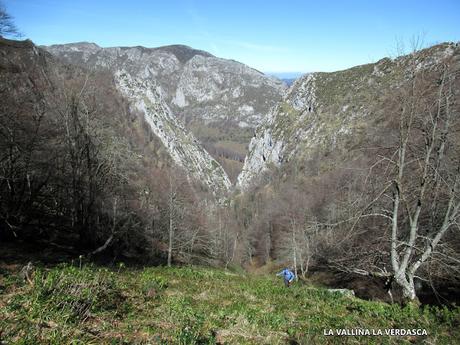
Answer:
(332, 112)
(83, 166)
(191, 305)
(136, 73)
(221, 101)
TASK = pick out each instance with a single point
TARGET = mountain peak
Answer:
(78, 46)
(182, 52)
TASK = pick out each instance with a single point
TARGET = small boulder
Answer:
(26, 273)
(343, 292)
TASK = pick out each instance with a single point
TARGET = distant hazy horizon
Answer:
(291, 37)
(285, 75)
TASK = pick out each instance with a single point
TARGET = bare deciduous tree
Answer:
(426, 177)
(421, 197)
(7, 26)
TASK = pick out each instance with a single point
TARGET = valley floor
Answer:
(85, 304)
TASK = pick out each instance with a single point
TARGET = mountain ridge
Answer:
(330, 106)
(220, 101)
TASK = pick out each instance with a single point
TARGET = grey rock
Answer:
(193, 83)
(343, 292)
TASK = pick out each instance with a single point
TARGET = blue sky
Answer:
(272, 36)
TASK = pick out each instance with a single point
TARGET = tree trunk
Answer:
(171, 225)
(294, 249)
(406, 282)
(170, 242)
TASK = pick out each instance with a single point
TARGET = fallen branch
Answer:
(103, 247)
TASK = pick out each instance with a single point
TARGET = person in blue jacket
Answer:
(287, 275)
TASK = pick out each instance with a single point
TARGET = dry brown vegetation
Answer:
(384, 205)
(79, 168)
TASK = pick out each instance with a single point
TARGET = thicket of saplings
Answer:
(80, 169)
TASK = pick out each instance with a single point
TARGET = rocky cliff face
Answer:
(148, 79)
(220, 101)
(332, 111)
(194, 83)
(180, 144)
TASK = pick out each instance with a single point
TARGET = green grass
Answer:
(192, 305)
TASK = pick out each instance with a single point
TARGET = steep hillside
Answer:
(138, 81)
(180, 144)
(359, 170)
(220, 101)
(90, 159)
(196, 305)
(333, 112)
